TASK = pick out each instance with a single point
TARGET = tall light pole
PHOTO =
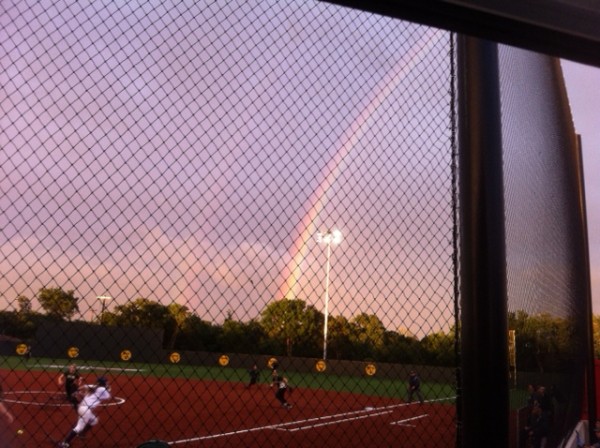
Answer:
(103, 299)
(328, 238)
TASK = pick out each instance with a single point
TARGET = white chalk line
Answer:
(277, 426)
(298, 424)
(403, 422)
(94, 368)
(48, 403)
(333, 422)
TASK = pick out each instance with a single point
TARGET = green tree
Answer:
(439, 348)
(552, 341)
(543, 341)
(175, 322)
(14, 324)
(525, 340)
(367, 335)
(139, 313)
(57, 303)
(26, 321)
(293, 324)
(339, 342)
(596, 329)
(25, 307)
(241, 337)
(398, 348)
(198, 335)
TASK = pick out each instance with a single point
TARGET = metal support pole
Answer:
(590, 368)
(103, 300)
(328, 238)
(326, 301)
(484, 399)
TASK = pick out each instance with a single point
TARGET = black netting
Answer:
(546, 261)
(173, 174)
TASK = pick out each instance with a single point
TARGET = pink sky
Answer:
(583, 87)
(270, 115)
(150, 158)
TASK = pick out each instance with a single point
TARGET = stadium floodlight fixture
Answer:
(329, 238)
(103, 300)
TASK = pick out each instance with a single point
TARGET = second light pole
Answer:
(328, 238)
(103, 299)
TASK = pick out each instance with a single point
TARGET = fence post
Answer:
(483, 399)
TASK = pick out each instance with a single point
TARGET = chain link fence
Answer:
(193, 189)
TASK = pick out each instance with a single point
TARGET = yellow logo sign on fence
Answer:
(370, 369)
(321, 365)
(22, 349)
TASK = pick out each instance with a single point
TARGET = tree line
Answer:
(291, 327)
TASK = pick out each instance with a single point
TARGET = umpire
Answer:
(414, 387)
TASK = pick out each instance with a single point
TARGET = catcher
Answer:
(92, 397)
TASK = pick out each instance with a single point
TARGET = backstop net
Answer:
(243, 215)
(547, 280)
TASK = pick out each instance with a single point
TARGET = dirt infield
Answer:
(192, 413)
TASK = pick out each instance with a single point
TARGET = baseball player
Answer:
(94, 395)
(71, 380)
(254, 374)
(414, 387)
(281, 387)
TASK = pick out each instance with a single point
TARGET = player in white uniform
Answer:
(94, 395)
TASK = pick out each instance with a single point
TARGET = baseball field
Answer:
(216, 408)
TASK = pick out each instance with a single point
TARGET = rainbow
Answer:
(306, 230)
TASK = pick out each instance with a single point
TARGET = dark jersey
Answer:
(280, 382)
(71, 380)
(414, 382)
(254, 373)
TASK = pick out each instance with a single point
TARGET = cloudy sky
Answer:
(191, 153)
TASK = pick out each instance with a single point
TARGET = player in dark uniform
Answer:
(414, 387)
(274, 373)
(254, 374)
(71, 380)
(281, 387)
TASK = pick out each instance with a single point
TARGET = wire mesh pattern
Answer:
(546, 255)
(193, 188)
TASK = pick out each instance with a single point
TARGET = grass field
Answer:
(371, 386)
